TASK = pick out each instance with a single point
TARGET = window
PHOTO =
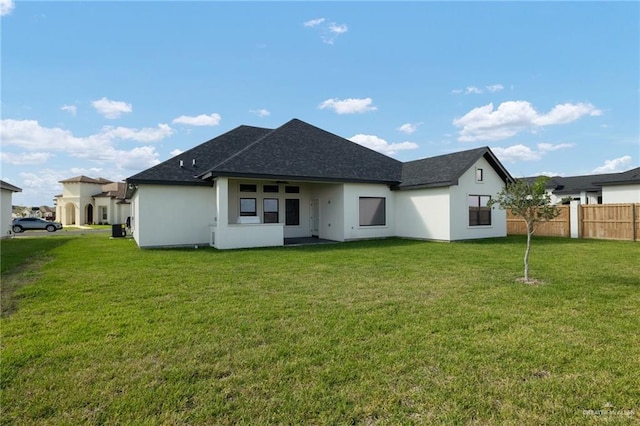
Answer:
(102, 213)
(292, 211)
(270, 210)
(292, 189)
(245, 187)
(372, 211)
(248, 207)
(479, 212)
(270, 188)
(479, 175)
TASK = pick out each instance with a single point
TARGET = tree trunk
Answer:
(526, 253)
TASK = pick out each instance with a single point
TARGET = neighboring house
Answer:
(86, 200)
(47, 213)
(6, 206)
(607, 188)
(254, 187)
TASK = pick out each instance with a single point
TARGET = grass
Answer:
(375, 332)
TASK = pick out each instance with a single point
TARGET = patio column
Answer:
(222, 201)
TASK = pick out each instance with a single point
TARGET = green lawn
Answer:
(379, 332)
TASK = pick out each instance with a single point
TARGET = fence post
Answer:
(574, 219)
(634, 228)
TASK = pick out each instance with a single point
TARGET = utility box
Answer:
(118, 230)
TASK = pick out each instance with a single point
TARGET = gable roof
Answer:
(445, 170)
(9, 187)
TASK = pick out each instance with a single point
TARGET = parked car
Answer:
(27, 223)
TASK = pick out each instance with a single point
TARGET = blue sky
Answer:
(107, 89)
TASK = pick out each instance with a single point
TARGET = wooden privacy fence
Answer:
(605, 221)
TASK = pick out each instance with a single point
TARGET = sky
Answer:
(108, 89)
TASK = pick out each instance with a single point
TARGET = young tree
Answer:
(531, 202)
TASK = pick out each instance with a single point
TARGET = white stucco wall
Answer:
(423, 213)
(290, 231)
(621, 194)
(173, 215)
(5, 212)
(459, 208)
(352, 229)
(331, 199)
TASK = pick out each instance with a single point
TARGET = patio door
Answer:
(315, 217)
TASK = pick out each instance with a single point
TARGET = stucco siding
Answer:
(5, 212)
(621, 194)
(353, 230)
(331, 200)
(423, 214)
(490, 185)
(166, 215)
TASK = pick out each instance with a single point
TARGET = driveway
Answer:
(66, 231)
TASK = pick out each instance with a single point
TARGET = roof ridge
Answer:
(237, 153)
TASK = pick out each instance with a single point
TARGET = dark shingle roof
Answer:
(592, 183)
(445, 170)
(300, 150)
(296, 150)
(207, 155)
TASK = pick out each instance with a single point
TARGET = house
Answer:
(6, 203)
(609, 188)
(86, 200)
(256, 187)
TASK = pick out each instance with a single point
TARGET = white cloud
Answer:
(545, 147)
(477, 90)
(6, 7)
(521, 152)
(329, 31)
(314, 22)
(146, 134)
(381, 145)
(616, 165)
(513, 117)
(176, 152)
(100, 147)
(349, 106)
(25, 159)
(338, 29)
(111, 109)
(261, 112)
(566, 113)
(200, 120)
(70, 108)
(516, 153)
(409, 128)
(494, 88)
(138, 158)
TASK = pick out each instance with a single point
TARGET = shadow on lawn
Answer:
(21, 259)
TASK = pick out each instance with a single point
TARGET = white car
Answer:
(27, 223)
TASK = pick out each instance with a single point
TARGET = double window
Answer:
(373, 211)
(479, 211)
